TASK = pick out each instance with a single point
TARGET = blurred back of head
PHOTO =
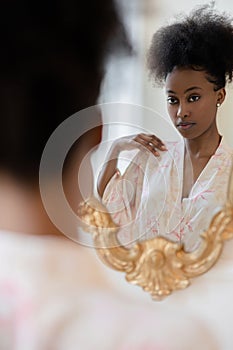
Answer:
(51, 66)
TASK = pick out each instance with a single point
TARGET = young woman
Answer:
(172, 189)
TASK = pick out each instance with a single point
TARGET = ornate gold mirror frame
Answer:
(158, 265)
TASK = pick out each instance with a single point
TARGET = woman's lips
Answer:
(185, 126)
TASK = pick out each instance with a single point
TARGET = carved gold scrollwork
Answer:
(158, 265)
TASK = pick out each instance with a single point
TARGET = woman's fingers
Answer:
(147, 145)
(151, 142)
(152, 139)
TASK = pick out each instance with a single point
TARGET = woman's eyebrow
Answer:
(187, 90)
(193, 88)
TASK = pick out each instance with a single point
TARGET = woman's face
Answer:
(192, 102)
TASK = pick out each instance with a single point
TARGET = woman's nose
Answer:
(183, 111)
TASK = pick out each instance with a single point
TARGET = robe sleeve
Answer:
(122, 195)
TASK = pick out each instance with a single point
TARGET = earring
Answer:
(218, 104)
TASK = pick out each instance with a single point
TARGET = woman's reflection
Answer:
(173, 188)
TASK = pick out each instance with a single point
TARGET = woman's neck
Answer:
(204, 146)
(21, 209)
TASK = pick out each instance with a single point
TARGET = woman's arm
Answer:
(108, 170)
(141, 141)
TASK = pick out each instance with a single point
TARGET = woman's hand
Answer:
(149, 141)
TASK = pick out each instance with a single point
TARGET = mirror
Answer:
(164, 239)
(155, 262)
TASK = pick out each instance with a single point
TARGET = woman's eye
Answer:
(172, 100)
(194, 98)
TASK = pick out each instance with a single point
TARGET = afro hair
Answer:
(202, 40)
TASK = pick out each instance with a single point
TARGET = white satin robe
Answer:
(146, 200)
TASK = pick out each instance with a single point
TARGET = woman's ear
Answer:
(221, 93)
